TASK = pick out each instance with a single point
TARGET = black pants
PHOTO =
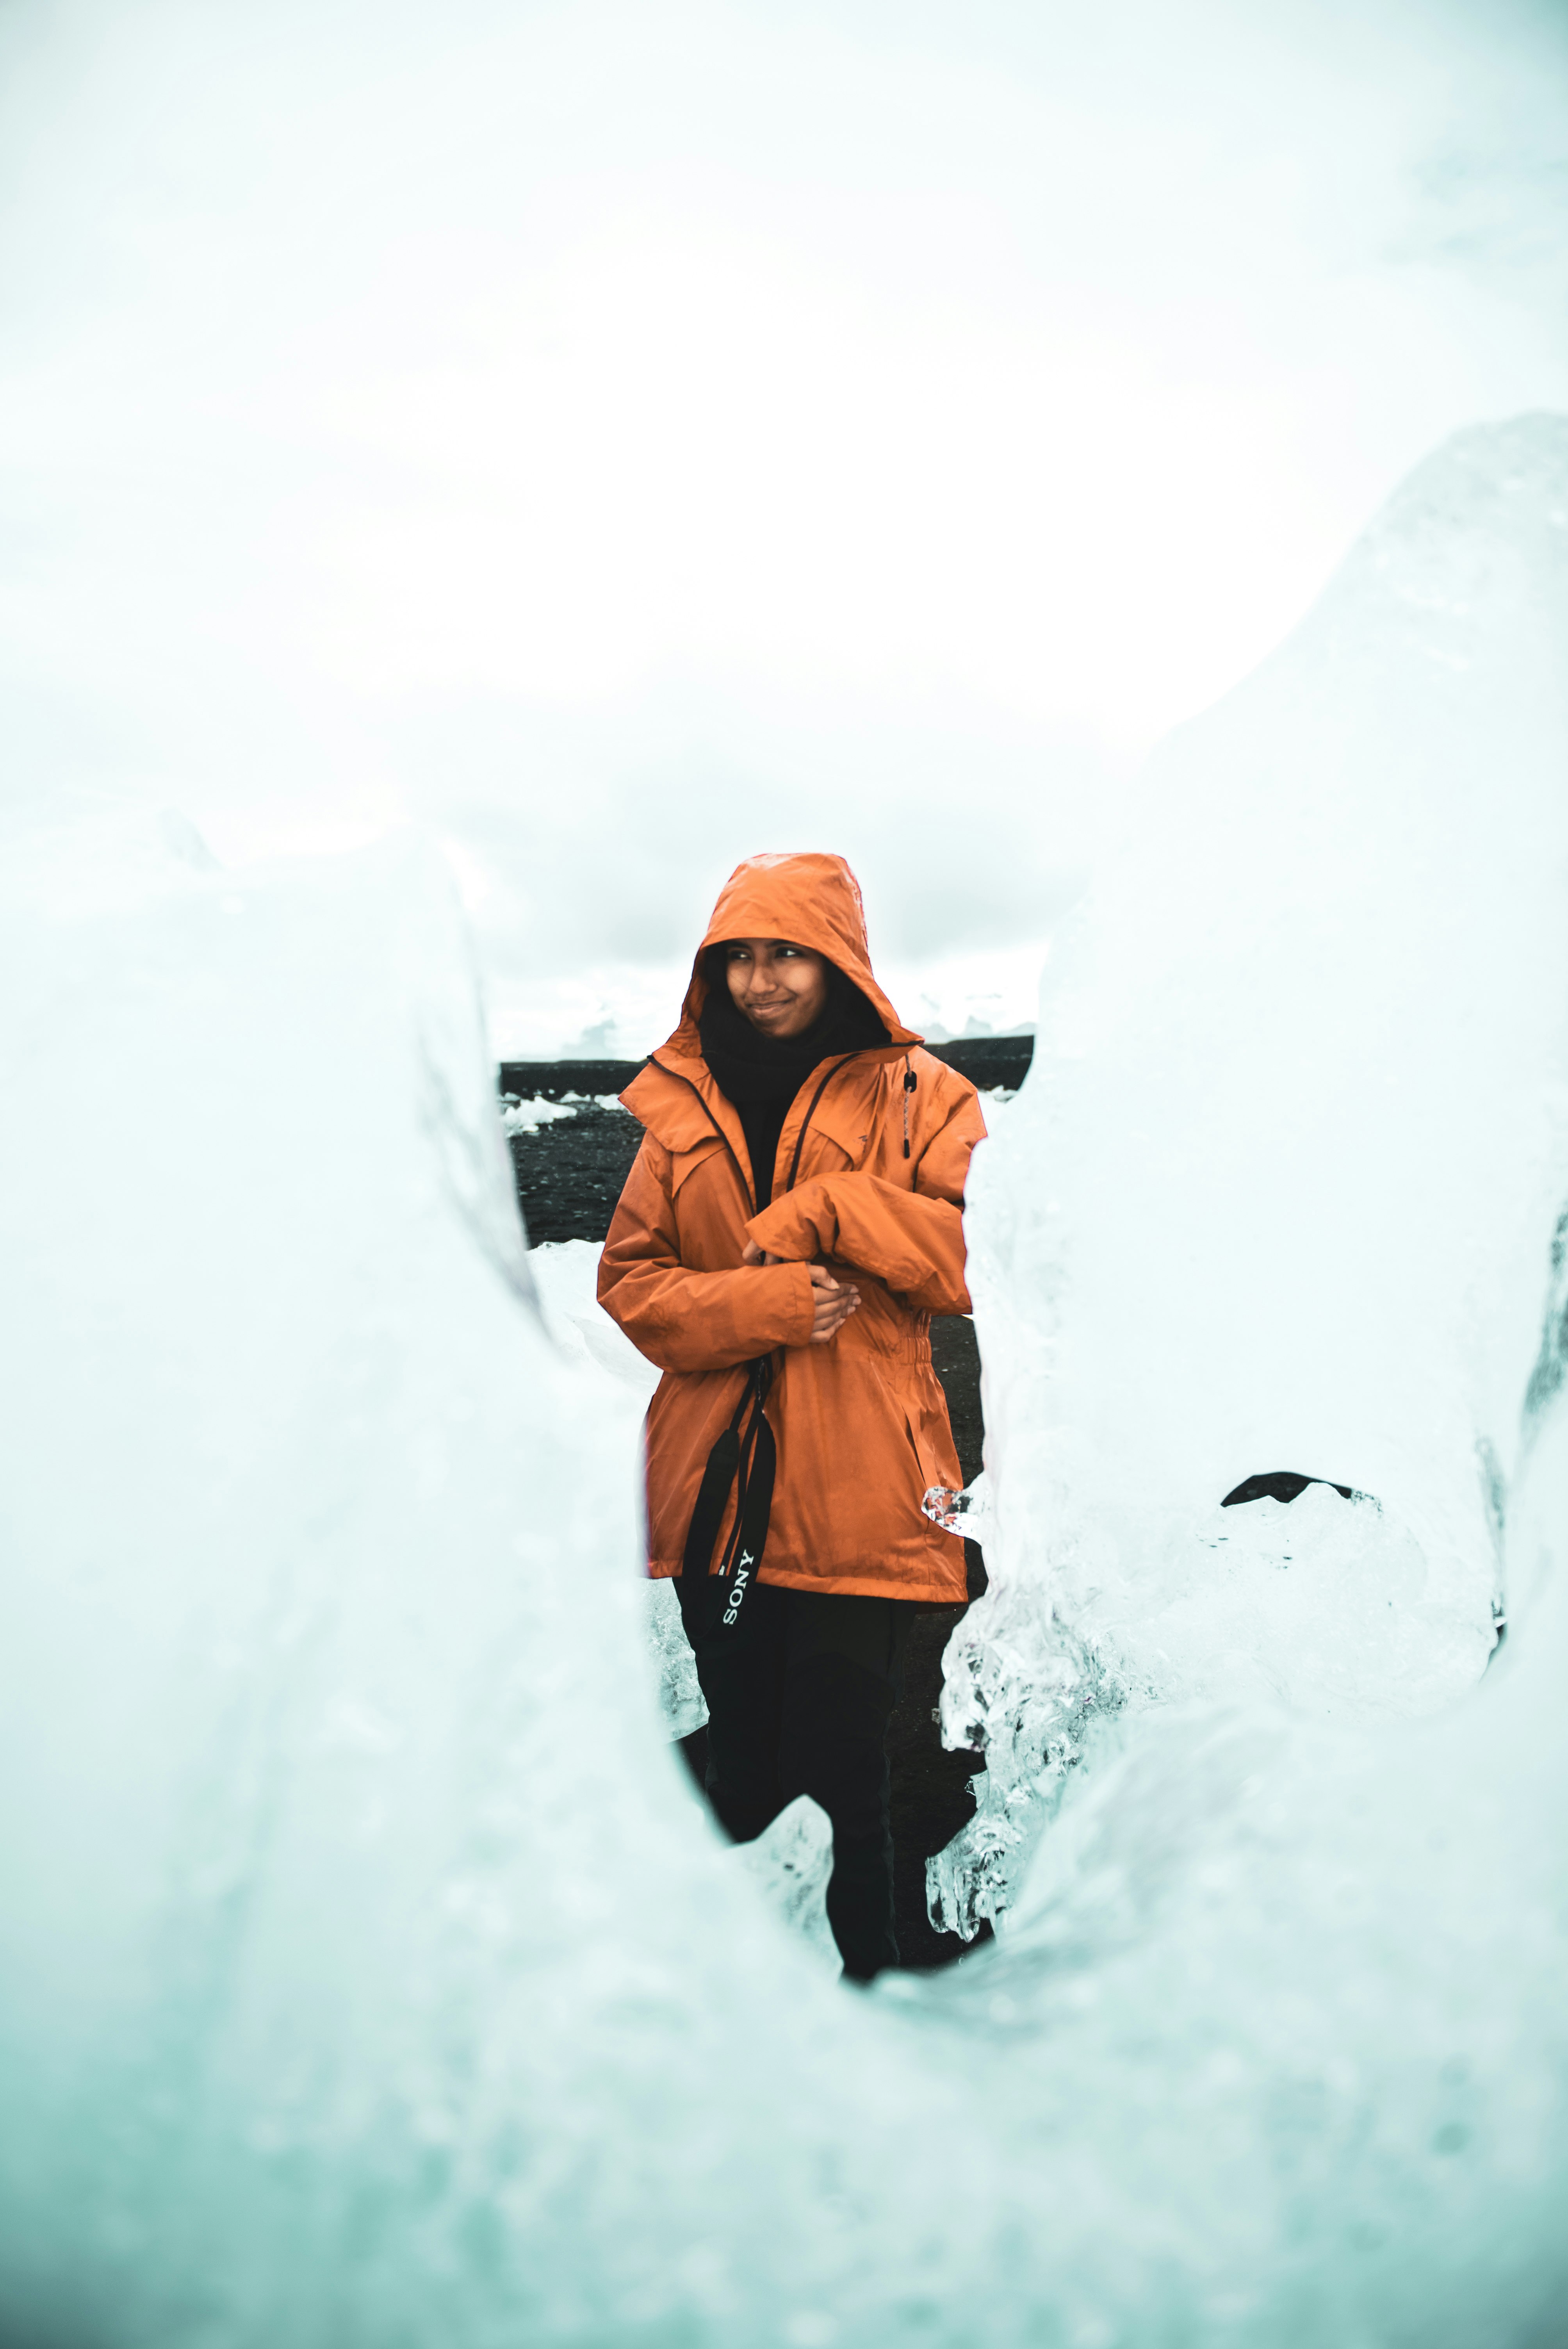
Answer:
(798, 1701)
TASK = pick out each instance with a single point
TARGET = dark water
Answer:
(569, 1177)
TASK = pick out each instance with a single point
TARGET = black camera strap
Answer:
(751, 1456)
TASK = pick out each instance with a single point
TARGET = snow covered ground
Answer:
(368, 1973)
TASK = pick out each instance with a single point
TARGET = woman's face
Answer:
(779, 988)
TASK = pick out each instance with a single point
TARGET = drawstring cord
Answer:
(908, 1089)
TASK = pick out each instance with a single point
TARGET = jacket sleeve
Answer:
(691, 1320)
(911, 1239)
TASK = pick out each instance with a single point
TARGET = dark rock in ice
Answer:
(1281, 1485)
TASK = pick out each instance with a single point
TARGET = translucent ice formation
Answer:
(965, 1513)
(564, 1273)
(790, 1865)
(1278, 1191)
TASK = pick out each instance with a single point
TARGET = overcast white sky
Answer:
(619, 438)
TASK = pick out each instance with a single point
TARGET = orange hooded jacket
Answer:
(861, 1423)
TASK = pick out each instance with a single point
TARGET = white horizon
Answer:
(622, 441)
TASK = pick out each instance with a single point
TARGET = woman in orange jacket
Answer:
(792, 1222)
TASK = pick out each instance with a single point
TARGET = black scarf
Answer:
(762, 1074)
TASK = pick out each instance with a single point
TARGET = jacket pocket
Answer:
(930, 1441)
(684, 1164)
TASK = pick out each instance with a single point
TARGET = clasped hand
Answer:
(832, 1301)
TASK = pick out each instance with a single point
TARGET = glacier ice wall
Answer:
(369, 1973)
(1279, 1190)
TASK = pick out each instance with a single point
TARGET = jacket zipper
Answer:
(747, 1195)
(805, 1122)
(759, 1374)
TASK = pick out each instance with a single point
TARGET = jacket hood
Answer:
(813, 901)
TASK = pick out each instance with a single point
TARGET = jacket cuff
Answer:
(789, 1228)
(802, 1303)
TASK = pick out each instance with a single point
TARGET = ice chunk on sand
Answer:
(527, 1117)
